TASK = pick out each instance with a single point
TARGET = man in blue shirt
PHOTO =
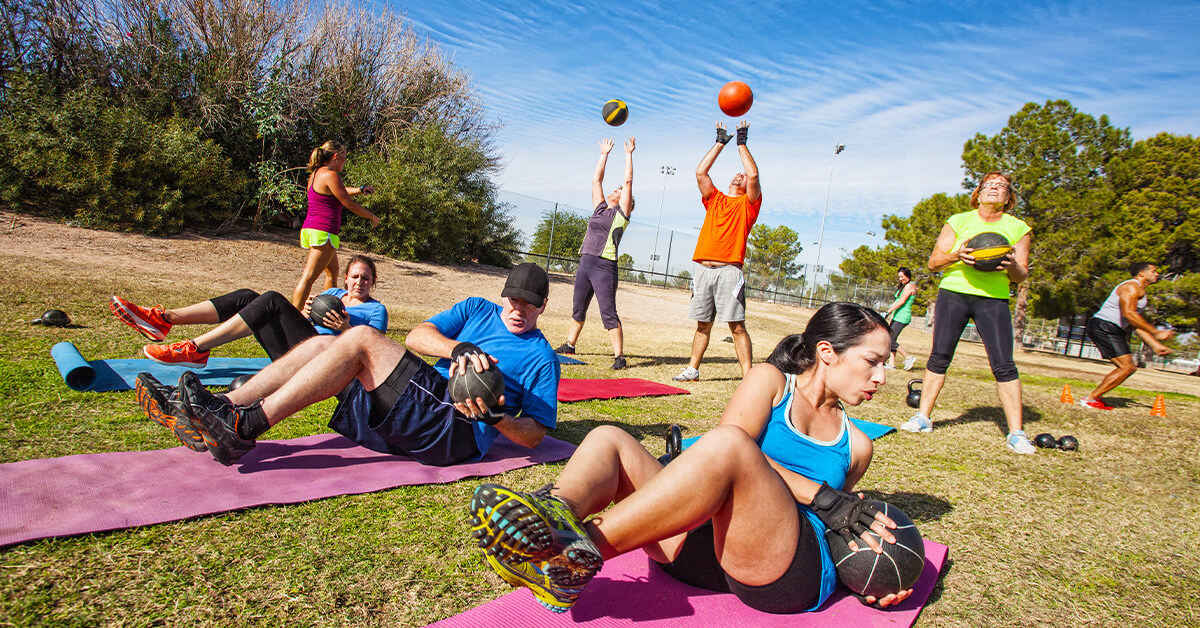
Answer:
(390, 400)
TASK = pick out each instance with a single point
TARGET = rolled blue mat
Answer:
(75, 370)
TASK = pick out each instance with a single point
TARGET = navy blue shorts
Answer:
(409, 414)
(597, 276)
(1109, 338)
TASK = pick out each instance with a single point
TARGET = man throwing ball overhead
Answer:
(719, 285)
(390, 400)
(1109, 329)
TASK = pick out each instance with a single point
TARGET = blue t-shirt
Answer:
(371, 313)
(527, 361)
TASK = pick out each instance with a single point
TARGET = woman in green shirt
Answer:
(900, 314)
(966, 293)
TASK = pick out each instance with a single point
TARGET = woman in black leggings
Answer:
(966, 293)
(269, 317)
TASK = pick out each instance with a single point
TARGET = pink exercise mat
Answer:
(630, 592)
(110, 491)
(585, 389)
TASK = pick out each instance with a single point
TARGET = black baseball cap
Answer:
(528, 281)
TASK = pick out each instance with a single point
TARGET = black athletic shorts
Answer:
(797, 590)
(410, 414)
(1109, 338)
(897, 327)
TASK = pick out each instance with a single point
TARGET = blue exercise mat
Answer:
(566, 359)
(872, 430)
(107, 375)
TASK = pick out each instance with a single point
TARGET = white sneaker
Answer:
(688, 374)
(888, 366)
(909, 362)
(1017, 442)
(919, 423)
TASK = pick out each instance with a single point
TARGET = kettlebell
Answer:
(914, 396)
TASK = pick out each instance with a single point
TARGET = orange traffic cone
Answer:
(1160, 407)
(1066, 396)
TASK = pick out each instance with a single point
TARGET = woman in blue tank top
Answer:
(743, 510)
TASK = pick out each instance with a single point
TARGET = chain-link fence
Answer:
(551, 234)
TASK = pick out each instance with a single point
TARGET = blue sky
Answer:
(902, 84)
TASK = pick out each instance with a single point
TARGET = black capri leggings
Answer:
(992, 320)
(277, 325)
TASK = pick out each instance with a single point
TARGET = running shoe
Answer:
(161, 405)
(688, 374)
(909, 362)
(918, 423)
(183, 352)
(1094, 404)
(1018, 442)
(148, 321)
(535, 575)
(216, 419)
(565, 349)
(517, 527)
(618, 363)
(888, 366)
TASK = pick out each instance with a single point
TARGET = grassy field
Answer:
(1104, 536)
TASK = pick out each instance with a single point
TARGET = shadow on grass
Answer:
(575, 430)
(990, 414)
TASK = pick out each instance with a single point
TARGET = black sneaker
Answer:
(161, 405)
(618, 363)
(565, 349)
(216, 419)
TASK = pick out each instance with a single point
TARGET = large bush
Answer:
(77, 156)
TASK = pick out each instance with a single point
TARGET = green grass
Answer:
(1104, 536)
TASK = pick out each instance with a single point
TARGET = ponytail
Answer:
(842, 325)
(324, 153)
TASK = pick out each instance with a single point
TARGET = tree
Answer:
(625, 267)
(772, 253)
(683, 279)
(567, 230)
(1058, 158)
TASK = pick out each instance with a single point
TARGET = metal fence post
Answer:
(550, 246)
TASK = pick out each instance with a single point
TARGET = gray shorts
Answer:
(718, 294)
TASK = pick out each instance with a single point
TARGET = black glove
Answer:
(742, 133)
(722, 136)
(465, 348)
(842, 512)
(491, 417)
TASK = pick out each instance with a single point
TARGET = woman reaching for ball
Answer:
(269, 317)
(743, 510)
(327, 196)
(968, 293)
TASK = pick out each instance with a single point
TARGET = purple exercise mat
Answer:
(98, 492)
(629, 591)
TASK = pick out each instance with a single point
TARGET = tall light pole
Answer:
(666, 172)
(837, 149)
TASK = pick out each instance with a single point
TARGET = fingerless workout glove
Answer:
(842, 512)
(722, 136)
(465, 348)
(743, 132)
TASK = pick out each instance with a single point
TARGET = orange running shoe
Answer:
(148, 322)
(183, 352)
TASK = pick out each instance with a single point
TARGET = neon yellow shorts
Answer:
(315, 237)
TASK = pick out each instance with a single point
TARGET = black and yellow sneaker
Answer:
(160, 403)
(216, 419)
(514, 527)
(535, 575)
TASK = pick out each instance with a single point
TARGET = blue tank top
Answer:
(816, 460)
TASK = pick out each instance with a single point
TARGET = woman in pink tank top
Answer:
(319, 233)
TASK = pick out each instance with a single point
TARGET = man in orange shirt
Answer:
(719, 286)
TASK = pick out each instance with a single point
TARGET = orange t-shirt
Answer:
(727, 224)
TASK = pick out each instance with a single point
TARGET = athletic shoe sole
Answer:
(131, 318)
(511, 527)
(196, 364)
(553, 597)
(222, 442)
(159, 409)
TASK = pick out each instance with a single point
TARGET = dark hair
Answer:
(907, 273)
(1136, 268)
(365, 261)
(1012, 191)
(841, 324)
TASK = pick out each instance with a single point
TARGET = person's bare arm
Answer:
(626, 202)
(942, 257)
(606, 146)
(704, 181)
(753, 187)
(334, 183)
